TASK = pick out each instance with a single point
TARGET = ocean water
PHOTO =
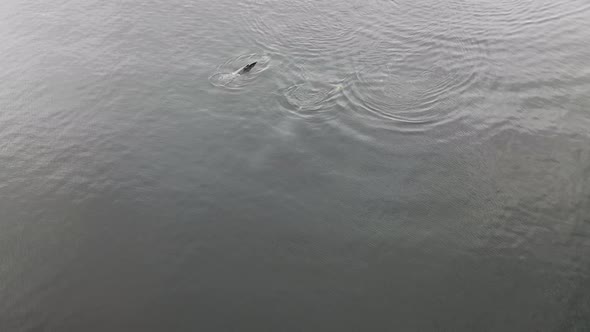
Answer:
(386, 166)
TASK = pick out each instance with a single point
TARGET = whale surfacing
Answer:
(247, 68)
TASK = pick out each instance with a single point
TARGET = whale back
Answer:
(247, 68)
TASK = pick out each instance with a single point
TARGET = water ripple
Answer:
(396, 95)
(226, 75)
(304, 28)
(408, 65)
(310, 99)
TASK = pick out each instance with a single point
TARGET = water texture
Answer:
(386, 165)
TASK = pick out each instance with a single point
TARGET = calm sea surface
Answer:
(386, 166)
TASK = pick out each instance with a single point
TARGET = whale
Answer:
(247, 68)
(225, 79)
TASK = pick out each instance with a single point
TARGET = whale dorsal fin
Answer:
(247, 68)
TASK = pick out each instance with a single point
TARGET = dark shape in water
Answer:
(247, 68)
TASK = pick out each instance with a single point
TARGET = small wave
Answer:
(227, 75)
(303, 28)
(408, 95)
(310, 98)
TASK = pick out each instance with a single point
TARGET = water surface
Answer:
(386, 166)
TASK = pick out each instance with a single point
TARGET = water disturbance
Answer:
(387, 165)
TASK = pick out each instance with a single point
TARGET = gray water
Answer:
(386, 166)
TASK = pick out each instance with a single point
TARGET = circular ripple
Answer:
(303, 28)
(227, 75)
(310, 99)
(411, 95)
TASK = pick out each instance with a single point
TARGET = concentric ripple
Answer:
(310, 98)
(226, 75)
(408, 95)
(305, 28)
